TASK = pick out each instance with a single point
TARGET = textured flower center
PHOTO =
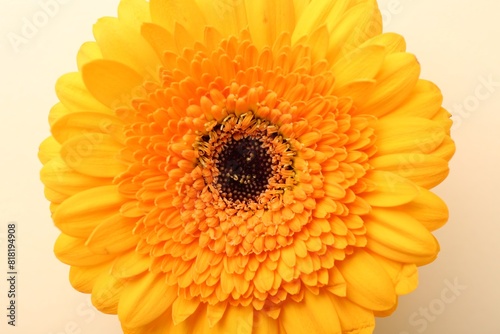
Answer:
(245, 161)
(244, 167)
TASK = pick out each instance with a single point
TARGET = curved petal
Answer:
(160, 39)
(134, 310)
(83, 279)
(94, 154)
(268, 19)
(353, 318)
(131, 264)
(80, 123)
(361, 64)
(89, 51)
(73, 251)
(404, 275)
(318, 13)
(424, 101)
(58, 176)
(424, 170)
(134, 13)
(358, 24)
(395, 82)
(182, 309)
(389, 189)
(120, 43)
(368, 285)
(314, 314)
(392, 42)
(114, 235)
(49, 149)
(236, 319)
(408, 134)
(106, 292)
(400, 237)
(73, 94)
(428, 208)
(112, 83)
(81, 213)
(186, 13)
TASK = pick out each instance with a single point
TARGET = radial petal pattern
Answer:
(246, 167)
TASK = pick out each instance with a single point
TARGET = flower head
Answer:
(246, 167)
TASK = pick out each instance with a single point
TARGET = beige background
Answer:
(457, 43)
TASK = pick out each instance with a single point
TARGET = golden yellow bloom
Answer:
(246, 166)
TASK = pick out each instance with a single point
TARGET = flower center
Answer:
(245, 166)
(246, 162)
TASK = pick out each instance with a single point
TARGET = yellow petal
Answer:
(54, 196)
(187, 13)
(73, 94)
(424, 101)
(353, 318)
(446, 150)
(423, 169)
(392, 42)
(404, 275)
(81, 213)
(56, 112)
(357, 90)
(237, 320)
(49, 149)
(227, 17)
(408, 134)
(388, 312)
(300, 6)
(160, 39)
(268, 19)
(368, 285)
(94, 154)
(112, 83)
(389, 189)
(88, 52)
(106, 292)
(215, 313)
(73, 251)
(144, 299)
(263, 279)
(182, 308)
(358, 24)
(114, 235)
(400, 237)
(429, 209)
(337, 284)
(80, 123)
(56, 175)
(134, 13)
(83, 279)
(362, 63)
(160, 325)
(395, 82)
(120, 43)
(316, 14)
(314, 314)
(264, 324)
(131, 264)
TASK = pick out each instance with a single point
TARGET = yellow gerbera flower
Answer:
(246, 166)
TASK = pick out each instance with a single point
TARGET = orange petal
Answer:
(112, 83)
(314, 314)
(368, 284)
(135, 309)
(400, 237)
